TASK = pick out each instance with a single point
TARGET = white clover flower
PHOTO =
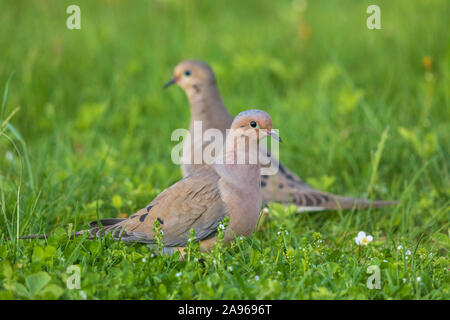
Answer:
(83, 294)
(9, 156)
(362, 239)
(256, 278)
(178, 274)
(144, 259)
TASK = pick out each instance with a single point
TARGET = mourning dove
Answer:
(198, 81)
(204, 198)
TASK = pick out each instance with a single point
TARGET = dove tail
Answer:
(308, 199)
(47, 235)
(94, 232)
(36, 236)
(338, 202)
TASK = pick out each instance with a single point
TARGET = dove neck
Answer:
(239, 158)
(206, 105)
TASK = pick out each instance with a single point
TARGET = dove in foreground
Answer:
(198, 81)
(203, 199)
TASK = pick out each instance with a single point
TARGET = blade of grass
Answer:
(17, 135)
(376, 162)
(5, 96)
(18, 191)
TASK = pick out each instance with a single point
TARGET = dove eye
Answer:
(187, 73)
(253, 124)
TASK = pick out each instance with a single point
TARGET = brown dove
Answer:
(198, 81)
(204, 198)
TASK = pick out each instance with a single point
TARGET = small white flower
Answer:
(419, 279)
(195, 259)
(214, 261)
(362, 239)
(279, 232)
(178, 274)
(262, 262)
(83, 294)
(221, 226)
(144, 259)
(286, 232)
(408, 252)
(399, 248)
(9, 156)
(256, 278)
(431, 254)
(241, 238)
(385, 260)
(279, 272)
(265, 210)
(230, 268)
(62, 259)
(404, 280)
(152, 255)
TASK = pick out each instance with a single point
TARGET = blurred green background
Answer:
(94, 124)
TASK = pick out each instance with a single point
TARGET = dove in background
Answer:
(198, 81)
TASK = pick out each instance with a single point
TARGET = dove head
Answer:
(191, 75)
(254, 124)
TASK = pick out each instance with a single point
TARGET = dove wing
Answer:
(193, 202)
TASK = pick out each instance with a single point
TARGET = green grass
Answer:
(359, 111)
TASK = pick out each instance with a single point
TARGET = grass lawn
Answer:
(85, 133)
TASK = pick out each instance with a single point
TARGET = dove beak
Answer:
(171, 82)
(274, 135)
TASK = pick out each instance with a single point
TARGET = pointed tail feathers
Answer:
(345, 203)
(308, 199)
(94, 232)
